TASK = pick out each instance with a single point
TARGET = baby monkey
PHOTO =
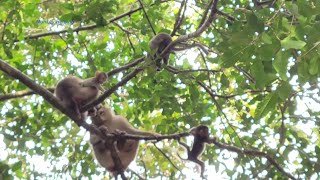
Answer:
(157, 44)
(74, 92)
(106, 120)
(201, 137)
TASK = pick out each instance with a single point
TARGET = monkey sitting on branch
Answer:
(74, 92)
(106, 120)
(201, 137)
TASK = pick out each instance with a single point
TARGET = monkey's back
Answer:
(69, 89)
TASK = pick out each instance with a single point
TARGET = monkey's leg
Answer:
(201, 164)
(76, 107)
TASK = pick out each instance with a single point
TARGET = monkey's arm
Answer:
(184, 145)
(91, 82)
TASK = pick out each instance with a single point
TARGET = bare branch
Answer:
(135, 173)
(179, 17)
(178, 71)
(255, 153)
(164, 154)
(197, 33)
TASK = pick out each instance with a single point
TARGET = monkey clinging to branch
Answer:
(106, 120)
(157, 44)
(201, 136)
(74, 92)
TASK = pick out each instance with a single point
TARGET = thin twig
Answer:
(83, 28)
(164, 154)
(179, 17)
(255, 153)
(145, 13)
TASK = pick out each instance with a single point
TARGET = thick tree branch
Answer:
(28, 92)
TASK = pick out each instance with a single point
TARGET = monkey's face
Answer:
(96, 120)
(200, 131)
(101, 77)
(103, 116)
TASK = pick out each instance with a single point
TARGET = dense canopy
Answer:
(247, 69)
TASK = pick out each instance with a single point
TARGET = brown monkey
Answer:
(74, 92)
(106, 119)
(157, 44)
(201, 137)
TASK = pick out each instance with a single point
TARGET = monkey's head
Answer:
(103, 116)
(200, 131)
(101, 77)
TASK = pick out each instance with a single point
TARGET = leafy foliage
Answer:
(265, 90)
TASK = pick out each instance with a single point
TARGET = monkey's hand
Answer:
(104, 129)
(92, 112)
(119, 132)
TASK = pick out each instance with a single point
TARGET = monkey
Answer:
(157, 44)
(74, 92)
(201, 137)
(106, 120)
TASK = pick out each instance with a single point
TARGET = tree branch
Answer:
(125, 67)
(82, 28)
(197, 33)
(254, 153)
(47, 95)
(179, 17)
(108, 92)
(22, 93)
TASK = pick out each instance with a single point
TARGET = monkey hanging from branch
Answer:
(201, 137)
(108, 122)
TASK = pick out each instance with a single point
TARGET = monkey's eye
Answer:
(101, 113)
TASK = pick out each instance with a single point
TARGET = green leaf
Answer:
(257, 70)
(288, 43)
(280, 65)
(284, 90)
(16, 166)
(265, 106)
(313, 66)
(266, 38)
